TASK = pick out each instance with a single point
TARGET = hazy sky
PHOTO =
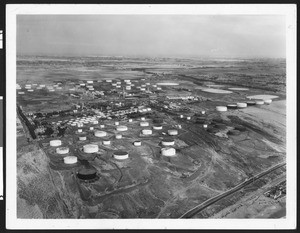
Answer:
(152, 35)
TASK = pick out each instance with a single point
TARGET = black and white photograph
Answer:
(166, 116)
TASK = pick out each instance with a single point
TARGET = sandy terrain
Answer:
(273, 115)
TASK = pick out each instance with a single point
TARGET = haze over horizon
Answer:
(223, 36)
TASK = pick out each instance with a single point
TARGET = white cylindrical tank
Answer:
(137, 143)
(106, 142)
(121, 155)
(144, 123)
(62, 150)
(221, 108)
(55, 143)
(70, 159)
(168, 151)
(181, 116)
(167, 142)
(172, 132)
(99, 133)
(188, 118)
(117, 123)
(203, 112)
(157, 127)
(268, 101)
(146, 131)
(90, 148)
(82, 138)
(241, 105)
(118, 136)
(259, 102)
(122, 128)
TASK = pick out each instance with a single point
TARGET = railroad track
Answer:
(203, 205)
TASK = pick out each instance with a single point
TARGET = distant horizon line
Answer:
(149, 56)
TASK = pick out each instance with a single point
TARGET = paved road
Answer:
(202, 206)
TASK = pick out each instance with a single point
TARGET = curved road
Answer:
(203, 205)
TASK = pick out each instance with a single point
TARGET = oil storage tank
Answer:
(241, 105)
(231, 106)
(157, 127)
(146, 131)
(144, 123)
(137, 143)
(70, 159)
(221, 108)
(168, 142)
(268, 101)
(90, 148)
(62, 150)
(120, 155)
(168, 151)
(172, 132)
(87, 173)
(122, 128)
(55, 142)
(99, 133)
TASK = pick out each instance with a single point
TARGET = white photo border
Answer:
(12, 10)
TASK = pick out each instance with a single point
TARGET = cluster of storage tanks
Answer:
(35, 86)
(63, 151)
(128, 84)
(79, 122)
(243, 105)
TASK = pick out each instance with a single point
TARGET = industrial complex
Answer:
(152, 146)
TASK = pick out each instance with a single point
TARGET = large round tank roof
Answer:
(221, 108)
(90, 148)
(87, 173)
(99, 133)
(120, 154)
(157, 127)
(250, 103)
(144, 123)
(62, 150)
(231, 106)
(268, 101)
(122, 128)
(172, 132)
(70, 159)
(137, 143)
(55, 143)
(241, 105)
(146, 131)
(168, 142)
(168, 151)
